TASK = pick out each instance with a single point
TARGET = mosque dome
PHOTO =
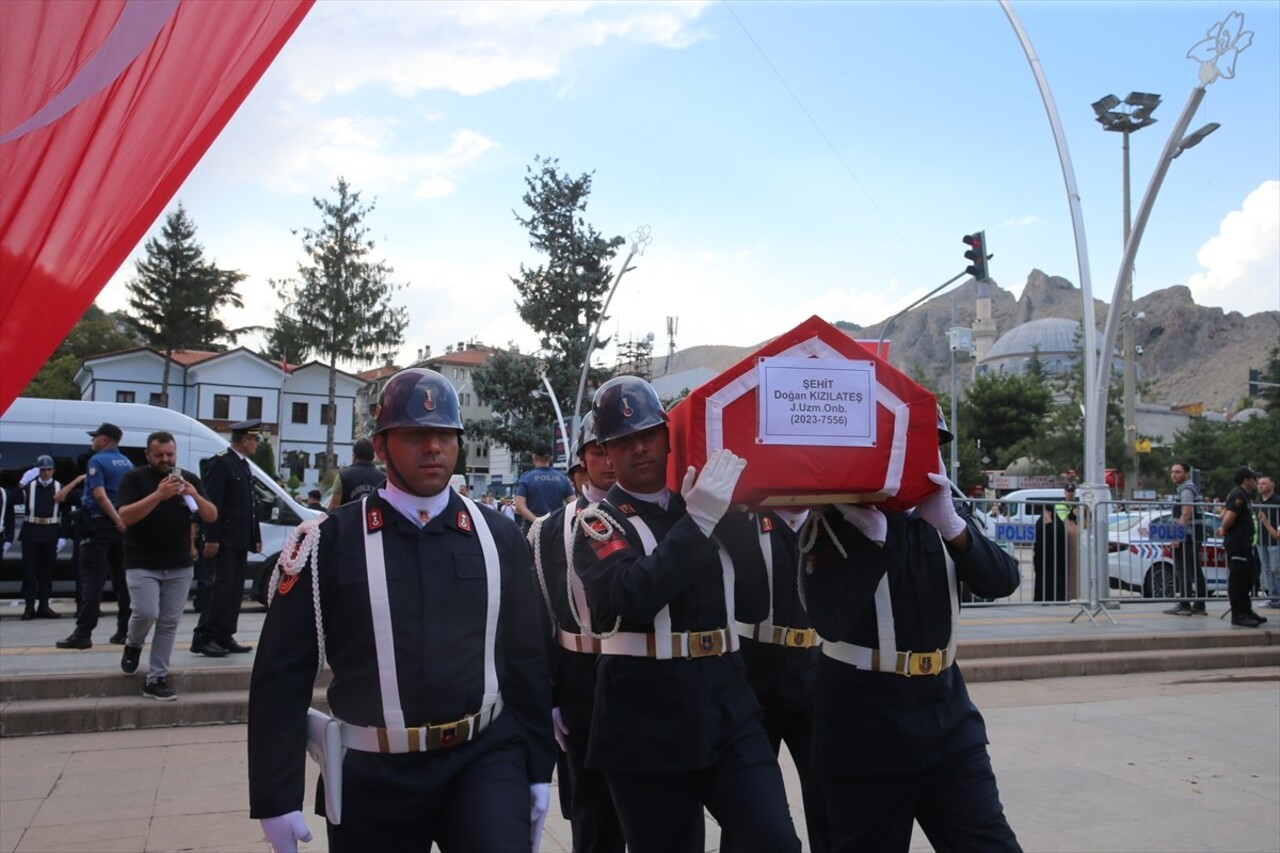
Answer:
(1053, 339)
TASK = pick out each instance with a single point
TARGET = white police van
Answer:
(1021, 508)
(59, 428)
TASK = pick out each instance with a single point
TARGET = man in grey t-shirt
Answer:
(1186, 554)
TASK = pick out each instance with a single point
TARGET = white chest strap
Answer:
(31, 499)
(576, 587)
(380, 607)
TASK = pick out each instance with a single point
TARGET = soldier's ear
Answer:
(380, 446)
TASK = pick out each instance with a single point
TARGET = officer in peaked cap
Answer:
(429, 622)
(228, 540)
(675, 725)
(895, 735)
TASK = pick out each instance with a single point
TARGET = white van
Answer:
(31, 427)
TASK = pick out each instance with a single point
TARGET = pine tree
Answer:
(340, 308)
(175, 298)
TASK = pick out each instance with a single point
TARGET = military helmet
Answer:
(586, 434)
(626, 405)
(418, 397)
(945, 435)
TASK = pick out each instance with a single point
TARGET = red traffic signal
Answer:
(977, 255)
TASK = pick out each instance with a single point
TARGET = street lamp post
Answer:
(1126, 117)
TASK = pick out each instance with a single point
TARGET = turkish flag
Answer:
(105, 108)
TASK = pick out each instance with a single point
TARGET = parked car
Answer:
(30, 427)
(1141, 557)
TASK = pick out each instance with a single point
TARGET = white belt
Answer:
(902, 663)
(43, 520)
(684, 644)
(780, 635)
(421, 738)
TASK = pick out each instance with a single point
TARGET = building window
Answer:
(326, 413)
(299, 413)
(156, 399)
(222, 406)
(253, 408)
(125, 397)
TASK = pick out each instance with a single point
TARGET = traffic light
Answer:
(977, 255)
(1255, 377)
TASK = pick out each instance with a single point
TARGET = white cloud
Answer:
(1020, 222)
(1242, 261)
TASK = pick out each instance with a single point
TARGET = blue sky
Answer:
(789, 158)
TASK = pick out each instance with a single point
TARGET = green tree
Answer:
(1270, 374)
(1217, 449)
(97, 332)
(560, 299)
(1005, 411)
(265, 457)
(341, 307)
(176, 295)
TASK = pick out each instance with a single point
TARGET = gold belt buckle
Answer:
(706, 643)
(923, 663)
(446, 735)
(799, 638)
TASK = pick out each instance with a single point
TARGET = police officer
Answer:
(43, 535)
(358, 479)
(584, 795)
(781, 654)
(1236, 530)
(103, 550)
(228, 541)
(430, 627)
(896, 737)
(675, 726)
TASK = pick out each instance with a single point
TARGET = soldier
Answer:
(428, 619)
(228, 541)
(43, 535)
(675, 726)
(584, 795)
(895, 736)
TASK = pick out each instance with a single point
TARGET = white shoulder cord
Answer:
(535, 542)
(592, 511)
(306, 550)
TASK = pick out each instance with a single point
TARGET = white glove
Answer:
(6, 548)
(708, 499)
(539, 803)
(560, 729)
(867, 519)
(62, 543)
(939, 510)
(30, 475)
(285, 831)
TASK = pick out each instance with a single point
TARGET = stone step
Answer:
(970, 650)
(1119, 663)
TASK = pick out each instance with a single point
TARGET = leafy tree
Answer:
(1270, 374)
(97, 332)
(175, 298)
(1005, 411)
(560, 299)
(265, 457)
(341, 309)
(1217, 449)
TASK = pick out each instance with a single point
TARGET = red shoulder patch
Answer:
(766, 524)
(464, 521)
(373, 519)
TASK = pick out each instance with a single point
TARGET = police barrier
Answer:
(1150, 555)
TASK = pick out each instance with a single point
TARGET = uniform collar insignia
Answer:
(627, 508)
(373, 518)
(424, 514)
(766, 524)
(464, 520)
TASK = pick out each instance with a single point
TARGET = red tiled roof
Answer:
(474, 357)
(378, 372)
(188, 357)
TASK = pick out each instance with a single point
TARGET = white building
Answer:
(220, 388)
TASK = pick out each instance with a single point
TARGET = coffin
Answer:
(819, 419)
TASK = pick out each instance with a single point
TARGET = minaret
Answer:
(984, 328)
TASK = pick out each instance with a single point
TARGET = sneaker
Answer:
(158, 689)
(1273, 604)
(1180, 610)
(75, 641)
(129, 660)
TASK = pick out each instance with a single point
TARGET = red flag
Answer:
(105, 108)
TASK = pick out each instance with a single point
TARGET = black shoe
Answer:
(209, 649)
(1199, 610)
(29, 613)
(1180, 610)
(129, 660)
(235, 648)
(75, 641)
(1261, 619)
(117, 639)
(159, 689)
(47, 612)
(1245, 622)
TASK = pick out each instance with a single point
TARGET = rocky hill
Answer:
(1190, 353)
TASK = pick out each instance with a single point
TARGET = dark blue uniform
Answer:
(6, 516)
(584, 794)
(782, 663)
(43, 525)
(472, 796)
(102, 552)
(673, 735)
(358, 479)
(229, 485)
(1238, 543)
(890, 747)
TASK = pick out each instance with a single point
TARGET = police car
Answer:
(1141, 556)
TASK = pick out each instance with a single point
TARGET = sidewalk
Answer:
(1178, 761)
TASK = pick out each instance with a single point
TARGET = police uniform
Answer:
(781, 654)
(1237, 541)
(584, 794)
(102, 552)
(675, 724)
(358, 479)
(229, 486)
(43, 525)
(439, 671)
(895, 735)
